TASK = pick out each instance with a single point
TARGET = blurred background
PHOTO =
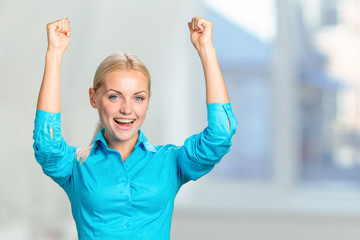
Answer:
(292, 70)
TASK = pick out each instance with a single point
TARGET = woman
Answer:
(123, 187)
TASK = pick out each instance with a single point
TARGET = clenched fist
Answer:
(58, 35)
(200, 32)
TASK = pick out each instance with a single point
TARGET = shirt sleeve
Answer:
(202, 151)
(51, 151)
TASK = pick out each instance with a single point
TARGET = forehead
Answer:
(126, 81)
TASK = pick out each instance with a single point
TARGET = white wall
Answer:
(155, 31)
(235, 226)
(33, 207)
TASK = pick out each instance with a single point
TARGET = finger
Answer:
(57, 27)
(199, 24)
(51, 27)
(189, 25)
(65, 26)
(68, 27)
(62, 27)
(193, 26)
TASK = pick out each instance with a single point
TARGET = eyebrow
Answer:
(122, 94)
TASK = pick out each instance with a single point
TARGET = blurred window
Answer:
(324, 54)
(243, 41)
(329, 12)
(329, 85)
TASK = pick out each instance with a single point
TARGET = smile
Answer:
(124, 123)
(124, 120)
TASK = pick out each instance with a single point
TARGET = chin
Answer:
(126, 137)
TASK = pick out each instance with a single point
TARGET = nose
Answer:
(125, 108)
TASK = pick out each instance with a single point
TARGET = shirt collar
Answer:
(142, 141)
(100, 138)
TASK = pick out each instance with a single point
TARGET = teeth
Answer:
(122, 120)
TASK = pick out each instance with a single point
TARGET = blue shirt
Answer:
(111, 199)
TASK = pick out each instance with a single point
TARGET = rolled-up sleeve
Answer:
(51, 151)
(202, 151)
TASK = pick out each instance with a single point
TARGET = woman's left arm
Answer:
(201, 32)
(202, 151)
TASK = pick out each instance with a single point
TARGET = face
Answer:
(122, 102)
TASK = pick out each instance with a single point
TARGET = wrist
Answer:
(53, 58)
(52, 53)
(206, 50)
(55, 52)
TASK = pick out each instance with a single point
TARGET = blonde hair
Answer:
(118, 61)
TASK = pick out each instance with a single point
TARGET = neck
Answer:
(125, 148)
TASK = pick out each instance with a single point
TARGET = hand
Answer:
(200, 32)
(58, 35)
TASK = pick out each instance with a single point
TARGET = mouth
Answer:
(124, 123)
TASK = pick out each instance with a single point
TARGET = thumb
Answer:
(189, 25)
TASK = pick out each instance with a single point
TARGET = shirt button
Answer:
(124, 179)
(51, 116)
(127, 225)
(127, 202)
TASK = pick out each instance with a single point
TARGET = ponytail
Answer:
(82, 154)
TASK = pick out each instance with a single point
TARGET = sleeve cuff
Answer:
(221, 117)
(40, 114)
(217, 112)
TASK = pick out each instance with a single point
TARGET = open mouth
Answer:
(124, 123)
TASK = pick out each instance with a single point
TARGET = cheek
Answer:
(141, 110)
(106, 108)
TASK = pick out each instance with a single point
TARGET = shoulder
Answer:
(165, 149)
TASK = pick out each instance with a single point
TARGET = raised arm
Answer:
(202, 151)
(201, 37)
(51, 151)
(58, 34)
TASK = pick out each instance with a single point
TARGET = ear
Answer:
(92, 97)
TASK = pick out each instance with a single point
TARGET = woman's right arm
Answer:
(58, 40)
(51, 151)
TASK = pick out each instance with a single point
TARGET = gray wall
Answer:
(34, 207)
(155, 31)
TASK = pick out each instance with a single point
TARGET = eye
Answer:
(139, 99)
(113, 97)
